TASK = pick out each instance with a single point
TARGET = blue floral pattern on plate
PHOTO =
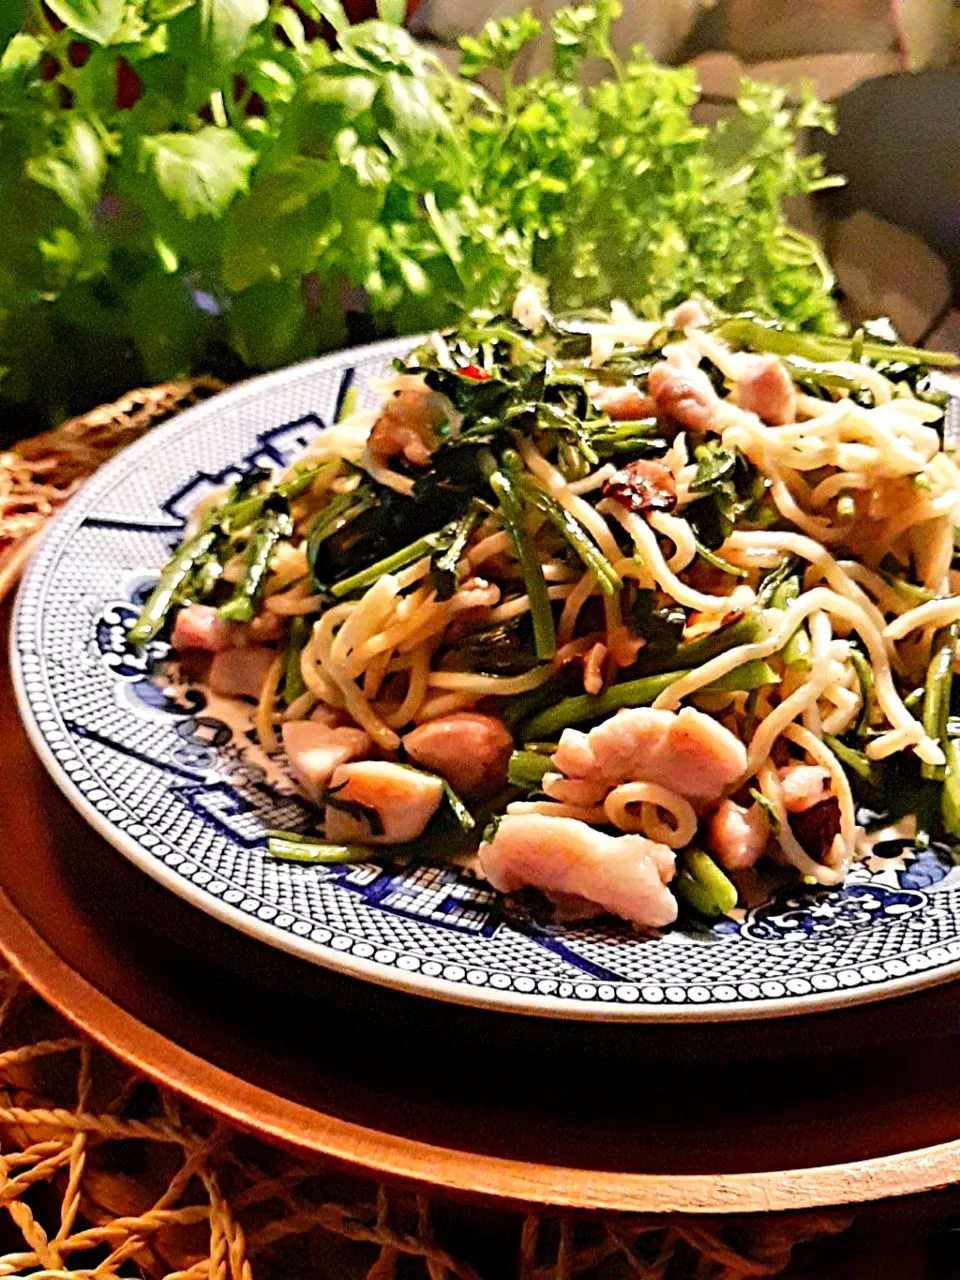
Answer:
(173, 780)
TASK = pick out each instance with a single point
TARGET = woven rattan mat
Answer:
(102, 1174)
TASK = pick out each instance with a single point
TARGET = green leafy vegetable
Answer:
(950, 796)
(200, 173)
(637, 693)
(98, 20)
(766, 335)
(225, 25)
(727, 487)
(497, 45)
(293, 685)
(273, 526)
(390, 564)
(448, 547)
(465, 819)
(936, 703)
(526, 769)
(205, 162)
(513, 517)
(166, 594)
(704, 886)
(292, 846)
(575, 534)
(768, 808)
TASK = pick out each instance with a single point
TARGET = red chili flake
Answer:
(476, 373)
(643, 486)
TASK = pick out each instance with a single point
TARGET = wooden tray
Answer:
(823, 1110)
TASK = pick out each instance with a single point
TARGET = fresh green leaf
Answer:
(291, 24)
(200, 173)
(74, 168)
(412, 107)
(381, 46)
(293, 846)
(164, 324)
(725, 487)
(280, 229)
(553, 180)
(526, 769)
(11, 20)
(97, 20)
(331, 11)
(164, 10)
(394, 11)
(225, 25)
(582, 32)
(498, 43)
(266, 324)
(370, 164)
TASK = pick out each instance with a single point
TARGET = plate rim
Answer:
(467, 1174)
(323, 954)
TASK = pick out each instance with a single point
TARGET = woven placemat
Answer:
(103, 1174)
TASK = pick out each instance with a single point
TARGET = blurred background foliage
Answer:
(231, 185)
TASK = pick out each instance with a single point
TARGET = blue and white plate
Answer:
(168, 775)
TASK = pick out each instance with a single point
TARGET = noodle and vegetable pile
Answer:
(631, 605)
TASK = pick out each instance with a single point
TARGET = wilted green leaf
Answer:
(201, 173)
(98, 20)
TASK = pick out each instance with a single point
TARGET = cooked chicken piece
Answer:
(625, 403)
(470, 750)
(573, 790)
(685, 393)
(686, 751)
(315, 750)
(804, 785)
(768, 391)
(625, 875)
(199, 626)
(407, 427)
(688, 315)
(240, 673)
(738, 836)
(402, 800)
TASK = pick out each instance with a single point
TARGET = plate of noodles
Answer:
(590, 666)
